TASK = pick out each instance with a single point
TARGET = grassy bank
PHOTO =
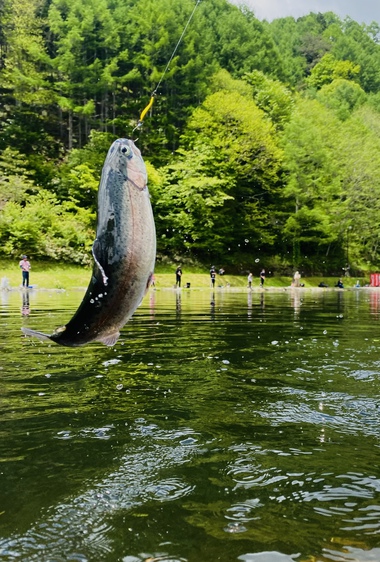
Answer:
(47, 275)
(64, 276)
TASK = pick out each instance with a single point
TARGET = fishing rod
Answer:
(154, 93)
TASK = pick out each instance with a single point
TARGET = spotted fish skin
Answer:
(124, 252)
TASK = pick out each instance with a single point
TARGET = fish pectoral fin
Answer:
(110, 339)
(148, 283)
(39, 335)
(95, 250)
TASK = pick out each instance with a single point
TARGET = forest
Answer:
(262, 145)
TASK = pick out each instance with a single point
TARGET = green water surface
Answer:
(222, 426)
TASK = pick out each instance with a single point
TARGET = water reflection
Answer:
(178, 302)
(25, 308)
(152, 303)
(212, 305)
(249, 304)
(296, 302)
(4, 297)
(262, 301)
(374, 296)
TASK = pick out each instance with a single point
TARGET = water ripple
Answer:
(81, 524)
(168, 490)
(157, 557)
(342, 411)
(267, 557)
(351, 554)
(244, 511)
(87, 433)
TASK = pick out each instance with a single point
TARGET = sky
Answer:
(362, 11)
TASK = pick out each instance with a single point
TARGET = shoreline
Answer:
(202, 288)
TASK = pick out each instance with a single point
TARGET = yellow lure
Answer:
(145, 111)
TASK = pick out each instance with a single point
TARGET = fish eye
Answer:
(127, 151)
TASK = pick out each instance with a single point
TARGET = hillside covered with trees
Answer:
(262, 144)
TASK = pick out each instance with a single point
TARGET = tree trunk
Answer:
(70, 130)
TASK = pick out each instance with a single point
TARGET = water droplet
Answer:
(111, 362)
(257, 260)
(119, 387)
(235, 528)
(274, 342)
(325, 332)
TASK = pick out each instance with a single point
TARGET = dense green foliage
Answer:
(262, 144)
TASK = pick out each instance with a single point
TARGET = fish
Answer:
(124, 253)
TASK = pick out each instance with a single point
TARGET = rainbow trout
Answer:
(124, 252)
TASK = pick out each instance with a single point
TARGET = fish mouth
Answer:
(124, 157)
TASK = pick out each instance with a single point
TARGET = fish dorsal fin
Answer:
(110, 339)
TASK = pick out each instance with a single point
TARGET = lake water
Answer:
(231, 426)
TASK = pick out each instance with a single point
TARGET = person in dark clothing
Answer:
(178, 276)
(262, 277)
(212, 276)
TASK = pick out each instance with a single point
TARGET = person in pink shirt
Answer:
(25, 268)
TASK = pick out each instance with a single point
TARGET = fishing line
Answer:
(154, 93)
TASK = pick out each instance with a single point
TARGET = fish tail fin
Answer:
(110, 339)
(39, 335)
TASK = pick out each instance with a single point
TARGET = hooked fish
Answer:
(124, 252)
